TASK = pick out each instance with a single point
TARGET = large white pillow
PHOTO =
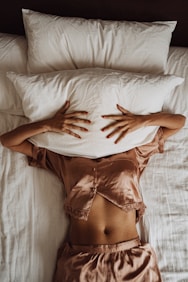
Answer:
(13, 57)
(98, 91)
(56, 43)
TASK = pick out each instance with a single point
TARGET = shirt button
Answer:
(94, 169)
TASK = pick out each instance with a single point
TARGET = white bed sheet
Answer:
(32, 222)
(164, 187)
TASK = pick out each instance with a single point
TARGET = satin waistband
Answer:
(107, 248)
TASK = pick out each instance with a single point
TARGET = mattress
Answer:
(33, 223)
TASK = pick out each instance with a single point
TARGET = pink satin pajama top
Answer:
(114, 177)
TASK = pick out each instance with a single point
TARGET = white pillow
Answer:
(13, 57)
(178, 65)
(13, 52)
(10, 101)
(97, 91)
(56, 43)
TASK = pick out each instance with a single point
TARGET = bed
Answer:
(32, 221)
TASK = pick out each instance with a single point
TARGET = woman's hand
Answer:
(124, 123)
(17, 139)
(127, 122)
(68, 122)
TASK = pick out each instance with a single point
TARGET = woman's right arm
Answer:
(17, 139)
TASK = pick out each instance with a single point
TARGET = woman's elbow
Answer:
(181, 121)
(4, 142)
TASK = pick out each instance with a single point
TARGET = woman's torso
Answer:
(102, 196)
(106, 224)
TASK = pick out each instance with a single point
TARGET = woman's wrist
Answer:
(146, 120)
(168, 120)
(45, 125)
(49, 125)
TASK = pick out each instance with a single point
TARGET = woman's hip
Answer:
(125, 261)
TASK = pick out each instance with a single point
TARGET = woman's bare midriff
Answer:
(107, 224)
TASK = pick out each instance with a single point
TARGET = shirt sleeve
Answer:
(144, 152)
(46, 159)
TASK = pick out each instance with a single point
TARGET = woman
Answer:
(103, 200)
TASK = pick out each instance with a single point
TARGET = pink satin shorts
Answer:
(126, 261)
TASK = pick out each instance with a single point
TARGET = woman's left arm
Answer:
(127, 122)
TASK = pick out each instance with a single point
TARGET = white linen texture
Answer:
(56, 43)
(97, 91)
(13, 57)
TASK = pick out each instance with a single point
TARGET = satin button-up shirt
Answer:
(115, 177)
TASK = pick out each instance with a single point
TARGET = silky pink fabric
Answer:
(127, 261)
(114, 177)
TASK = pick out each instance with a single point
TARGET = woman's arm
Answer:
(127, 122)
(171, 123)
(16, 139)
